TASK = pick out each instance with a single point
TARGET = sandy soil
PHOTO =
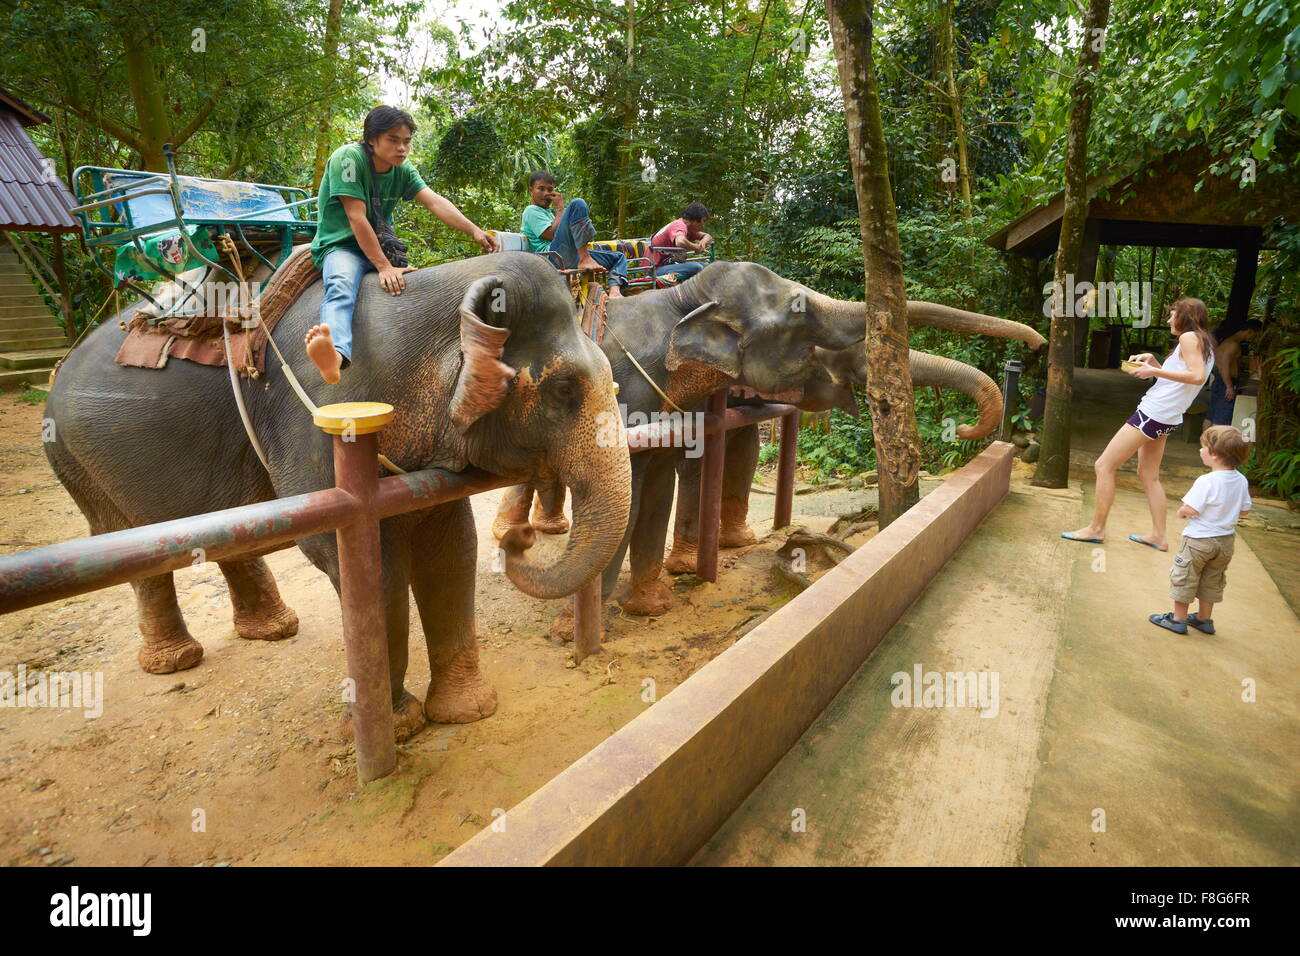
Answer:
(240, 760)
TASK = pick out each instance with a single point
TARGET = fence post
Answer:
(1010, 394)
(715, 452)
(587, 624)
(785, 469)
(355, 427)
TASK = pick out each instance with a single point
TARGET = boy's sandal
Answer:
(1167, 621)
(1205, 627)
(1140, 540)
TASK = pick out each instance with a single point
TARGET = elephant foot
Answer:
(681, 560)
(458, 694)
(408, 718)
(170, 655)
(513, 511)
(549, 524)
(274, 625)
(649, 596)
(562, 626)
(735, 532)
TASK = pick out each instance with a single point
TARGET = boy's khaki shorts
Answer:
(1199, 567)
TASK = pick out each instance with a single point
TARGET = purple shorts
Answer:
(1149, 426)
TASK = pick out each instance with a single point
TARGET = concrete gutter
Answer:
(656, 790)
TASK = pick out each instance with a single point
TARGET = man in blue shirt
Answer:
(550, 224)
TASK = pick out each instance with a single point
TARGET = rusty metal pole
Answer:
(586, 620)
(715, 451)
(785, 469)
(361, 592)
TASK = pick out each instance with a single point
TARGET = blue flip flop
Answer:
(1069, 537)
(1138, 540)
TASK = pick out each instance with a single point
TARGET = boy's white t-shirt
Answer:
(1219, 497)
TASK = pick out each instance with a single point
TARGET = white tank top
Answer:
(1165, 400)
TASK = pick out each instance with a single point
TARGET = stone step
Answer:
(19, 378)
(31, 320)
(34, 358)
(33, 331)
(19, 306)
(23, 345)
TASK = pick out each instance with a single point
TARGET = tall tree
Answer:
(893, 412)
(1054, 457)
(333, 21)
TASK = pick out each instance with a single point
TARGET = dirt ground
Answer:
(240, 760)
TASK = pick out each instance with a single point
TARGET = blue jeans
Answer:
(342, 270)
(1220, 412)
(685, 269)
(573, 231)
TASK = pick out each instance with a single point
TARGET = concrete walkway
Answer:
(1114, 742)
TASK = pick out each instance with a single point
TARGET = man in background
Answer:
(553, 224)
(685, 234)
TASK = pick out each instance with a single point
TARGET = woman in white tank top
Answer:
(1183, 374)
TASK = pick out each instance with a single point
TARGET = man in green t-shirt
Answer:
(346, 247)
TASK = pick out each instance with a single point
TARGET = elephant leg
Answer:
(168, 646)
(648, 594)
(260, 614)
(737, 476)
(513, 510)
(548, 514)
(686, 527)
(443, 549)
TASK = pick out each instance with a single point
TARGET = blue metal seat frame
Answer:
(118, 207)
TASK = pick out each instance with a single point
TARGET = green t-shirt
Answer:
(536, 221)
(348, 174)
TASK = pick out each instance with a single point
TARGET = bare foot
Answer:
(1088, 533)
(320, 349)
(585, 261)
(1160, 544)
(616, 291)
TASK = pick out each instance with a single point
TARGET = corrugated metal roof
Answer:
(27, 200)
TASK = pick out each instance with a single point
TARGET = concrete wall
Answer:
(656, 790)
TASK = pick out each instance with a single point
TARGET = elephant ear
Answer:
(709, 339)
(484, 379)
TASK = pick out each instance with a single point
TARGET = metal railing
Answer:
(353, 509)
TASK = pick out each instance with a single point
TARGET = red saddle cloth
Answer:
(198, 338)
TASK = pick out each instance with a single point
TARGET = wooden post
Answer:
(715, 452)
(785, 470)
(1243, 288)
(65, 293)
(355, 427)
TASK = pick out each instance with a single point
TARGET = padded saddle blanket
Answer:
(150, 343)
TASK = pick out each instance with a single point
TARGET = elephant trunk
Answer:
(948, 373)
(599, 475)
(849, 319)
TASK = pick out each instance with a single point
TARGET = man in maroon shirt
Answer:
(687, 235)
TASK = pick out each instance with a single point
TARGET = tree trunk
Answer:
(1054, 456)
(893, 411)
(146, 94)
(953, 98)
(331, 46)
(629, 121)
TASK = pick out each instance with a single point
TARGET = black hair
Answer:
(540, 176)
(695, 212)
(1254, 325)
(383, 118)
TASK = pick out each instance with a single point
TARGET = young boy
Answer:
(1213, 506)
(552, 224)
(346, 247)
(686, 234)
